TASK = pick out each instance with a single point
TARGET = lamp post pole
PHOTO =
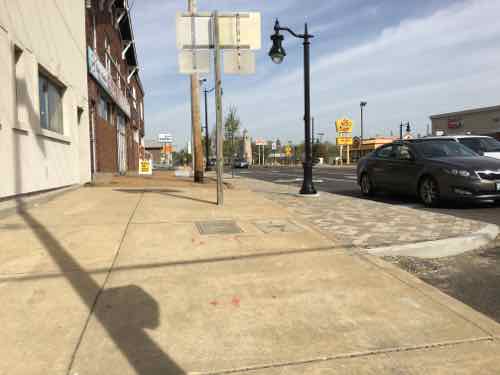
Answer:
(408, 129)
(362, 105)
(277, 54)
(207, 137)
(307, 186)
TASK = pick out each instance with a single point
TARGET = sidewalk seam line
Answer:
(435, 300)
(351, 355)
(103, 285)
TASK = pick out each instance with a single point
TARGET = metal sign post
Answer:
(238, 34)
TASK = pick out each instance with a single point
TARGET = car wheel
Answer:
(429, 192)
(366, 185)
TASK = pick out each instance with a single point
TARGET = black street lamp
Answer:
(408, 129)
(277, 54)
(362, 105)
(207, 138)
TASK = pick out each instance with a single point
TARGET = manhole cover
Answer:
(218, 227)
(272, 226)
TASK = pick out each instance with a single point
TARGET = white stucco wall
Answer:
(51, 35)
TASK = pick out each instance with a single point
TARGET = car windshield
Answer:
(443, 149)
(481, 144)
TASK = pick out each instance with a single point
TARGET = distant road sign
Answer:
(165, 138)
(273, 146)
(260, 142)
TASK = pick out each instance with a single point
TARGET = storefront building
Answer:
(480, 121)
(44, 134)
(360, 149)
(116, 95)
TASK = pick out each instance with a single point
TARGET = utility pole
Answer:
(218, 103)
(195, 117)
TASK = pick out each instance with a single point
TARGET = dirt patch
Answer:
(473, 277)
(159, 179)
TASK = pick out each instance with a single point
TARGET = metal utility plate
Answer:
(218, 227)
(274, 226)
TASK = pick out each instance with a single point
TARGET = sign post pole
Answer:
(218, 110)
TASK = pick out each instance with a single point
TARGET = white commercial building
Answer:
(44, 131)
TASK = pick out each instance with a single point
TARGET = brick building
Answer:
(116, 95)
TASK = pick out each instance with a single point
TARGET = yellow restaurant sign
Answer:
(343, 125)
(342, 141)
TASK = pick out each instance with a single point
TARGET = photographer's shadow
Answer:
(127, 312)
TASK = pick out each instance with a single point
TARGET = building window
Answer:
(134, 97)
(51, 106)
(107, 54)
(20, 84)
(141, 105)
(103, 109)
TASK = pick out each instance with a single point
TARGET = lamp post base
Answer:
(307, 184)
(308, 189)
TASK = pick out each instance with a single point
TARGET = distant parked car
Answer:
(482, 145)
(241, 164)
(433, 169)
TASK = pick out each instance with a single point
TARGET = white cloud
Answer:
(430, 63)
(445, 61)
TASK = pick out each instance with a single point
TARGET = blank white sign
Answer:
(243, 29)
(235, 29)
(193, 31)
(239, 62)
(197, 61)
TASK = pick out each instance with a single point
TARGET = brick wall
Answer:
(106, 133)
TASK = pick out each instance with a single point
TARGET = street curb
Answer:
(441, 248)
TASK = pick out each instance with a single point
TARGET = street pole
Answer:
(401, 131)
(232, 154)
(312, 124)
(218, 111)
(195, 117)
(307, 186)
(361, 121)
(207, 137)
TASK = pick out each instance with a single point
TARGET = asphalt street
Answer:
(343, 181)
(473, 278)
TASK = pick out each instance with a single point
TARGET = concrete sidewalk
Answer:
(121, 280)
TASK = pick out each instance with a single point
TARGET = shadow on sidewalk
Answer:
(166, 192)
(128, 311)
(124, 312)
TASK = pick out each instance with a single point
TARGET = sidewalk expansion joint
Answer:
(25, 277)
(103, 286)
(361, 354)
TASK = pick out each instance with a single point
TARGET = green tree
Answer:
(232, 125)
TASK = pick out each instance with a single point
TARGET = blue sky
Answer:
(407, 59)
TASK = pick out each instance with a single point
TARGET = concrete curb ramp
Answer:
(442, 248)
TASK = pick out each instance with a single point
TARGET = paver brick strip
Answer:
(365, 223)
